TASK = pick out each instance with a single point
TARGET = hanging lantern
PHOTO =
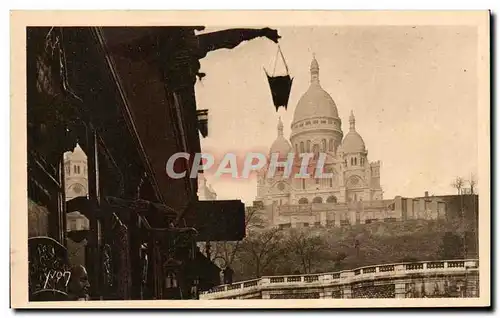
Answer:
(280, 85)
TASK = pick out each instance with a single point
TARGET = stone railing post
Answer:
(400, 268)
(400, 289)
(347, 291)
(471, 264)
(346, 276)
(325, 278)
(264, 281)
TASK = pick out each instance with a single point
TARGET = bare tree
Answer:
(472, 183)
(306, 247)
(254, 220)
(227, 250)
(458, 184)
(261, 249)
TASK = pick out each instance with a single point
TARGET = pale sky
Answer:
(413, 91)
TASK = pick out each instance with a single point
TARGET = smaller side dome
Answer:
(281, 145)
(353, 142)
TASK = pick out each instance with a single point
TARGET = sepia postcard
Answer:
(250, 159)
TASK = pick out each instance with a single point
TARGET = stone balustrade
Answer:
(304, 209)
(395, 273)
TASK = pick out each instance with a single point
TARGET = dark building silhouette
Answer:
(126, 97)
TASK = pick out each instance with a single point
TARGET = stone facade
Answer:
(76, 184)
(353, 195)
(317, 128)
(351, 213)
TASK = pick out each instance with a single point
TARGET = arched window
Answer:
(74, 169)
(355, 161)
(330, 146)
(308, 146)
(302, 147)
(68, 169)
(303, 183)
(331, 199)
(303, 201)
(352, 161)
(323, 145)
(317, 200)
(331, 182)
(78, 169)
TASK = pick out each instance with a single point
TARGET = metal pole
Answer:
(94, 262)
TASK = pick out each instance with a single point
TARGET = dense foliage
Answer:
(321, 249)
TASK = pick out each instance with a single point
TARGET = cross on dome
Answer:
(352, 122)
(314, 70)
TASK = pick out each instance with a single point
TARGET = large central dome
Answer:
(315, 102)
